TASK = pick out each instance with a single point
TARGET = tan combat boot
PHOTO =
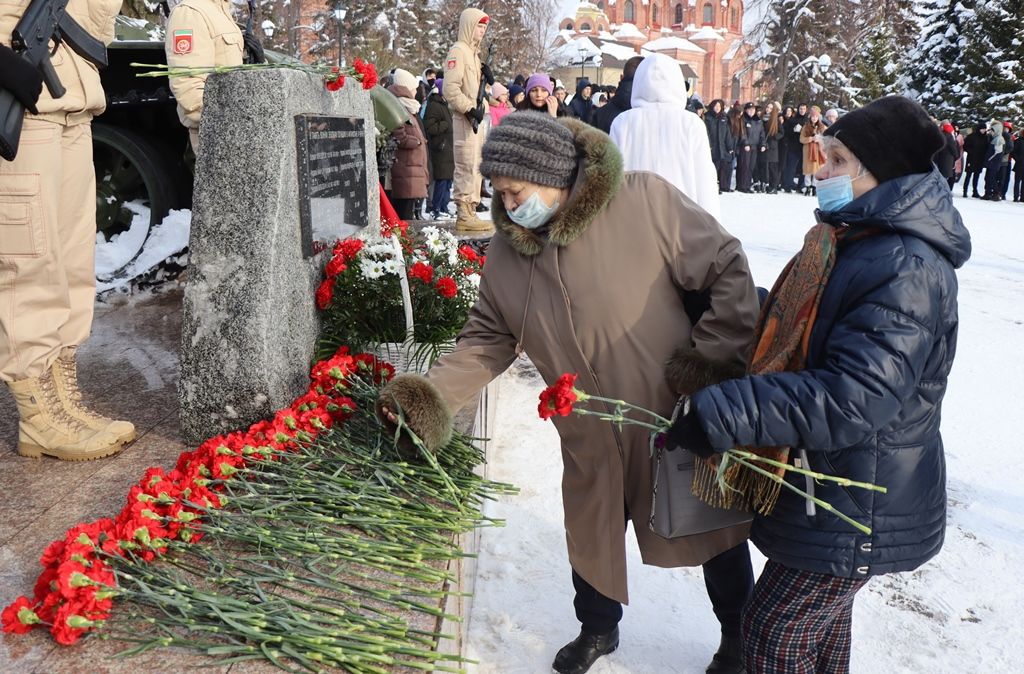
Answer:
(467, 222)
(65, 377)
(46, 427)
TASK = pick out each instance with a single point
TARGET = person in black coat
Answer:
(603, 117)
(437, 122)
(945, 159)
(793, 173)
(723, 145)
(862, 395)
(768, 162)
(749, 145)
(582, 104)
(1004, 175)
(1018, 168)
(975, 147)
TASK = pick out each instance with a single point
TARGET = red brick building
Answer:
(705, 36)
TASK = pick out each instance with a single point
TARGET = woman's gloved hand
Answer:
(687, 433)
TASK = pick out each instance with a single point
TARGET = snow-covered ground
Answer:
(131, 254)
(961, 612)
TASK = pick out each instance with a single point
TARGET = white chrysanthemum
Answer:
(371, 269)
(381, 250)
(434, 240)
(392, 266)
(474, 279)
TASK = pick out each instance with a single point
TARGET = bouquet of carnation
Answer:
(384, 287)
(563, 398)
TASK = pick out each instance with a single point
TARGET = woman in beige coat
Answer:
(587, 274)
(814, 156)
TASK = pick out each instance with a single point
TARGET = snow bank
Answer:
(166, 239)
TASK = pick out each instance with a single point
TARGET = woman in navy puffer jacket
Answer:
(867, 403)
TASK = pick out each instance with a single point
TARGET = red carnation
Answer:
(15, 615)
(468, 253)
(558, 398)
(325, 293)
(335, 83)
(446, 287)
(348, 249)
(422, 271)
(335, 266)
(367, 73)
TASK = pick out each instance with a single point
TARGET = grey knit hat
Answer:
(530, 146)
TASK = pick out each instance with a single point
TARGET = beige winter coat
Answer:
(814, 156)
(84, 96)
(601, 297)
(462, 65)
(200, 33)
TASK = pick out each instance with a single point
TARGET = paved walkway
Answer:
(127, 369)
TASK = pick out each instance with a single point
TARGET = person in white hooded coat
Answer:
(658, 134)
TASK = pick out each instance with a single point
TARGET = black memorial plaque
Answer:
(332, 178)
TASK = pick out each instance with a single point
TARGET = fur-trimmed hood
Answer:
(598, 179)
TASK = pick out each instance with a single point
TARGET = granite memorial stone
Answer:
(250, 322)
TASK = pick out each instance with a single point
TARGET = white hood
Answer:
(661, 136)
(659, 81)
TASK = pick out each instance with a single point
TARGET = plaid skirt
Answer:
(798, 622)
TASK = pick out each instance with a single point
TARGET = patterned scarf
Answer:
(781, 342)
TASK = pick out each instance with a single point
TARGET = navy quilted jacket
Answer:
(868, 404)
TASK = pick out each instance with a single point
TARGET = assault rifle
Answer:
(43, 21)
(476, 114)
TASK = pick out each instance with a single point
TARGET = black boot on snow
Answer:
(729, 658)
(577, 656)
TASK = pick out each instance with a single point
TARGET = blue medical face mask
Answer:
(834, 193)
(533, 212)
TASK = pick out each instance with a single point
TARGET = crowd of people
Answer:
(764, 148)
(778, 149)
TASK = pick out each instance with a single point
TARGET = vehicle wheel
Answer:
(133, 178)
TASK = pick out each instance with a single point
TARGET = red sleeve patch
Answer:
(183, 41)
(451, 64)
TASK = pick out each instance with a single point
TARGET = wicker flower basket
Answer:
(410, 355)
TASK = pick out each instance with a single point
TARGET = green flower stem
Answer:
(618, 419)
(622, 404)
(827, 506)
(795, 469)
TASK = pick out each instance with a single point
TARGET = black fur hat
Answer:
(892, 136)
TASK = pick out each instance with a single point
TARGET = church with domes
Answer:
(704, 36)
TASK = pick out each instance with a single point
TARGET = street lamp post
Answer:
(339, 16)
(824, 63)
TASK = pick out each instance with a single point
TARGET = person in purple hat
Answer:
(539, 96)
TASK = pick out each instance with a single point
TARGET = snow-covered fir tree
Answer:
(935, 74)
(780, 45)
(994, 60)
